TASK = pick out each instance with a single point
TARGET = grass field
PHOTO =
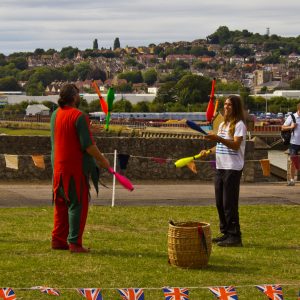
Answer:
(24, 131)
(129, 249)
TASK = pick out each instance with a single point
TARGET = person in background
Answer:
(294, 146)
(75, 158)
(229, 151)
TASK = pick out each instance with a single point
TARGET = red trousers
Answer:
(70, 216)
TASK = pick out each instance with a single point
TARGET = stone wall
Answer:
(140, 165)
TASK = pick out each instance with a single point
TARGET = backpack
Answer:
(287, 134)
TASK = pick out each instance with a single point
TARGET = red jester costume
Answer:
(73, 164)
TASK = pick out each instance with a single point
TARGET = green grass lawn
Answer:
(129, 249)
(24, 131)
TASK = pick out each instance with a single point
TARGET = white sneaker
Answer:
(291, 183)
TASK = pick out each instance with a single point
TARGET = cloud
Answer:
(27, 25)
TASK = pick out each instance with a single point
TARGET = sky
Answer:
(26, 25)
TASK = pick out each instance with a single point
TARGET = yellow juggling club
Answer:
(184, 161)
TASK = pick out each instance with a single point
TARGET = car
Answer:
(280, 115)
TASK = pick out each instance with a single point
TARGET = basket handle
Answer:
(202, 238)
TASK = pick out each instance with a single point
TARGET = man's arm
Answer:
(94, 151)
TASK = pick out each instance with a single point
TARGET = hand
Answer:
(204, 153)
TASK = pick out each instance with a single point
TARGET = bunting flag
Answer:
(265, 166)
(123, 160)
(176, 293)
(224, 293)
(12, 161)
(298, 295)
(38, 161)
(210, 107)
(90, 294)
(273, 292)
(131, 294)
(192, 166)
(7, 294)
(213, 164)
(159, 160)
(47, 290)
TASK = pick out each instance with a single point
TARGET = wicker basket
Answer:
(189, 244)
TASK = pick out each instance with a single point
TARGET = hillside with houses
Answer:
(240, 60)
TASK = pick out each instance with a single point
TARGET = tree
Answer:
(295, 84)
(20, 63)
(131, 62)
(150, 76)
(46, 75)
(9, 84)
(142, 106)
(34, 88)
(192, 89)
(83, 69)
(123, 88)
(39, 51)
(117, 43)
(96, 73)
(68, 52)
(221, 36)
(3, 61)
(166, 93)
(51, 105)
(83, 106)
(94, 105)
(95, 44)
(122, 105)
(133, 77)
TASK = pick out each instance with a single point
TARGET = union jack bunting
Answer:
(131, 294)
(91, 294)
(47, 290)
(7, 294)
(176, 293)
(224, 292)
(273, 292)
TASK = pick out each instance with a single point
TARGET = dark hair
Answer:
(237, 113)
(67, 93)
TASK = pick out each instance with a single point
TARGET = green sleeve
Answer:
(84, 133)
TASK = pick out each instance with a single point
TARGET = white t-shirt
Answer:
(295, 137)
(227, 158)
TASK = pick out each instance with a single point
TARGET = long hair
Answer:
(236, 115)
(67, 93)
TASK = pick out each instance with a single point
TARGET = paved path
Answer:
(149, 193)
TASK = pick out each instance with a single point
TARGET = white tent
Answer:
(37, 109)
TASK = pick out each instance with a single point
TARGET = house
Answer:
(188, 58)
(37, 109)
(237, 59)
(293, 57)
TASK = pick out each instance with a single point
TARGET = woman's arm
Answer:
(232, 144)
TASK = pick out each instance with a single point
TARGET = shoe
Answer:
(291, 183)
(231, 241)
(56, 245)
(219, 238)
(74, 248)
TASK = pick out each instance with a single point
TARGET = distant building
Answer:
(152, 90)
(37, 109)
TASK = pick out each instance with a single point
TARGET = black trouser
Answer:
(227, 189)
